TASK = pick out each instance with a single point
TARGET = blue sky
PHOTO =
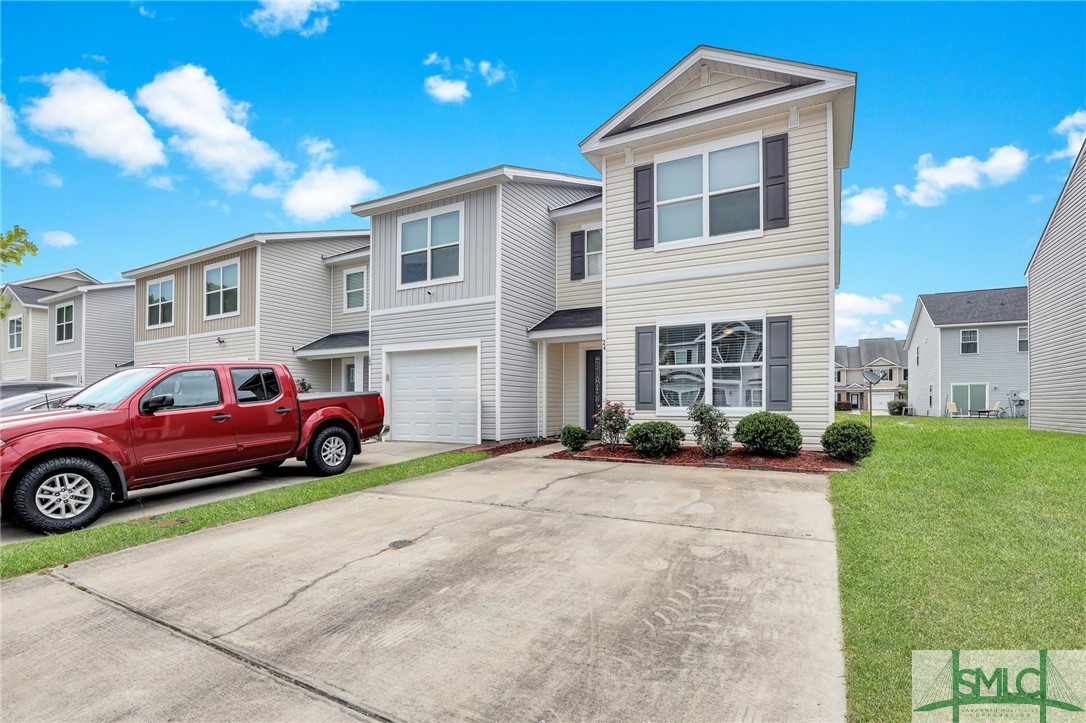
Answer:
(138, 131)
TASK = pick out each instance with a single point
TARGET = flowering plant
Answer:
(612, 421)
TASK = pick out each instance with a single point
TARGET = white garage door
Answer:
(72, 379)
(434, 396)
(879, 400)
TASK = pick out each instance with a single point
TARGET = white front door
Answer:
(434, 396)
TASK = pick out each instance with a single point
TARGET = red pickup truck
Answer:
(153, 425)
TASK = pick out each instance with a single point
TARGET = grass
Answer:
(23, 557)
(957, 534)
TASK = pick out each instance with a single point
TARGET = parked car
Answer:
(149, 426)
(11, 389)
(39, 401)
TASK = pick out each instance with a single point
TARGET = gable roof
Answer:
(871, 351)
(984, 306)
(28, 295)
(1078, 171)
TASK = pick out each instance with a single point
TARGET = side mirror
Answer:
(155, 403)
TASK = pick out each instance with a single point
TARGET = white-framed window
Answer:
(717, 361)
(593, 253)
(970, 341)
(431, 247)
(160, 302)
(1023, 338)
(222, 288)
(709, 193)
(918, 355)
(837, 377)
(15, 333)
(65, 323)
(354, 289)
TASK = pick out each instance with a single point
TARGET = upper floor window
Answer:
(431, 246)
(904, 375)
(713, 194)
(15, 333)
(593, 253)
(1023, 338)
(837, 377)
(888, 375)
(160, 302)
(65, 323)
(354, 289)
(254, 385)
(970, 341)
(721, 361)
(221, 289)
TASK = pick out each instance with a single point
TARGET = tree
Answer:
(13, 247)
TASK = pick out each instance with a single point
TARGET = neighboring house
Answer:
(261, 296)
(24, 351)
(462, 270)
(91, 331)
(885, 356)
(1057, 312)
(970, 348)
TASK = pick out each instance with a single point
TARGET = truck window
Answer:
(191, 388)
(254, 385)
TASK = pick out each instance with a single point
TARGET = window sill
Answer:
(707, 240)
(355, 311)
(424, 284)
(222, 316)
(681, 411)
(592, 279)
(66, 341)
(158, 326)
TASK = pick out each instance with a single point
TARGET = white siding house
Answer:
(91, 331)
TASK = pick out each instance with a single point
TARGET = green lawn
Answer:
(23, 557)
(957, 534)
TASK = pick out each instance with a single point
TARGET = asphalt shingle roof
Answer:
(870, 350)
(343, 340)
(985, 306)
(593, 197)
(585, 318)
(28, 294)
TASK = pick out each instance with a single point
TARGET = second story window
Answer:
(15, 333)
(65, 323)
(1023, 338)
(431, 246)
(354, 289)
(904, 375)
(593, 253)
(970, 341)
(221, 290)
(160, 302)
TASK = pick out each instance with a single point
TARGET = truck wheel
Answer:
(330, 452)
(61, 494)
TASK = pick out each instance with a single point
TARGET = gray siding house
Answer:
(91, 331)
(969, 349)
(1056, 279)
(885, 356)
(24, 351)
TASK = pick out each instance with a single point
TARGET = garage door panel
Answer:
(434, 395)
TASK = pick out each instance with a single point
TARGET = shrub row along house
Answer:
(886, 357)
(511, 302)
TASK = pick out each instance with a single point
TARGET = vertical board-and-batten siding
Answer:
(1057, 313)
(997, 363)
(801, 292)
(925, 375)
(575, 294)
(110, 331)
(527, 293)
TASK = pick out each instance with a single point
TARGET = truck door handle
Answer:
(220, 417)
(282, 410)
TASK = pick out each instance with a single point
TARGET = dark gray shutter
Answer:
(778, 363)
(643, 192)
(775, 181)
(576, 255)
(645, 350)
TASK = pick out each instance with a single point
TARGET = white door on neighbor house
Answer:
(434, 396)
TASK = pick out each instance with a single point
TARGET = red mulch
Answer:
(508, 448)
(691, 456)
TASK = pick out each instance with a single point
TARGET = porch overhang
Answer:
(335, 346)
(569, 325)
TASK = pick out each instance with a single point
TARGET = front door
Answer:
(593, 387)
(349, 385)
(855, 399)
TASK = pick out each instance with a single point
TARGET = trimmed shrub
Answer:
(612, 421)
(897, 407)
(573, 438)
(849, 440)
(770, 434)
(710, 428)
(655, 439)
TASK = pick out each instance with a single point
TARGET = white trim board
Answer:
(747, 267)
(415, 308)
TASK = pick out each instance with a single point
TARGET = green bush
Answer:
(573, 438)
(768, 433)
(897, 407)
(612, 421)
(655, 439)
(848, 440)
(710, 428)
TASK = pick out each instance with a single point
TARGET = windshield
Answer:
(112, 390)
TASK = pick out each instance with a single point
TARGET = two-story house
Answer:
(969, 348)
(885, 356)
(266, 296)
(91, 331)
(24, 352)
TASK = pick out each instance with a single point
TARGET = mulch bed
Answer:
(507, 448)
(691, 456)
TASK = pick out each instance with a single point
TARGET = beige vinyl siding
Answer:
(110, 330)
(580, 293)
(1057, 314)
(246, 294)
(479, 260)
(237, 345)
(335, 373)
(722, 88)
(555, 388)
(165, 351)
(68, 364)
(180, 305)
(925, 376)
(351, 320)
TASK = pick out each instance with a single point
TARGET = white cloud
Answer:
(95, 57)
(147, 13)
(51, 179)
(319, 149)
(305, 17)
(58, 239)
(210, 126)
(469, 64)
(445, 90)
(17, 152)
(1073, 128)
(161, 182)
(266, 191)
(82, 111)
(493, 74)
(860, 207)
(853, 317)
(1035, 198)
(933, 182)
(326, 191)
(439, 60)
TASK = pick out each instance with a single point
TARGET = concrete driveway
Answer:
(525, 589)
(159, 500)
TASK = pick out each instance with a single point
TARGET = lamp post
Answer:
(872, 378)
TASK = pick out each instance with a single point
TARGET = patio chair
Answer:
(996, 410)
(952, 410)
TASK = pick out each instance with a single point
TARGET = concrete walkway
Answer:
(159, 500)
(523, 589)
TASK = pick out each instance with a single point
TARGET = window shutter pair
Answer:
(576, 255)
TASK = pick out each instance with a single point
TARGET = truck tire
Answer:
(61, 494)
(269, 467)
(330, 452)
